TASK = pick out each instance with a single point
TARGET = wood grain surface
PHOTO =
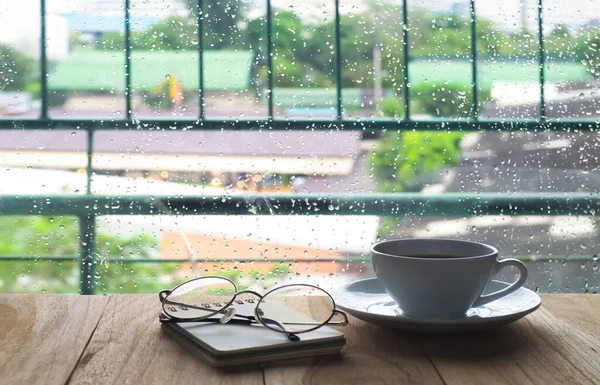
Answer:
(371, 355)
(546, 347)
(117, 340)
(129, 347)
(42, 337)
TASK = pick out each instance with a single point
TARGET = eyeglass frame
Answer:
(163, 294)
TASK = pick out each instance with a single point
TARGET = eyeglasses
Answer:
(283, 309)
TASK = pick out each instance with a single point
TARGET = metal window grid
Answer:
(87, 207)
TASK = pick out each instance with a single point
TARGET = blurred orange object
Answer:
(175, 91)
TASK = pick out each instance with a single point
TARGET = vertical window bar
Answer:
(475, 106)
(270, 58)
(338, 59)
(88, 169)
(43, 62)
(127, 63)
(405, 59)
(87, 266)
(87, 230)
(200, 60)
(542, 58)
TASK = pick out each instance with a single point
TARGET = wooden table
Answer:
(52, 339)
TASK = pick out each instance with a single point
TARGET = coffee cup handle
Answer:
(483, 299)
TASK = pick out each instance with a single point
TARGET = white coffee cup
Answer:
(440, 278)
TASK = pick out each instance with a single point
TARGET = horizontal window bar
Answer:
(22, 258)
(450, 204)
(365, 259)
(324, 125)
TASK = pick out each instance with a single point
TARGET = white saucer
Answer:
(367, 300)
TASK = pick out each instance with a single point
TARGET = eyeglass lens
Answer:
(199, 298)
(289, 308)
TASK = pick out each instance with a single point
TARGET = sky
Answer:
(506, 13)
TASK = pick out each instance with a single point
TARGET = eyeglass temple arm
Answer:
(165, 293)
(291, 335)
(163, 298)
(247, 320)
(243, 319)
(239, 321)
(343, 322)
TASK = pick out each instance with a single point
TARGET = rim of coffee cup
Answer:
(492, 249)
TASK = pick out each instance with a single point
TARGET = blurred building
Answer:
(192, 156)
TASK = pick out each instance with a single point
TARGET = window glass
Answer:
(27, 241)
(372, 60)
(217, 160)
(86, 77)
(439, 46)
(39, 276)
(572, 35)
(253, 250)
(508, 60)
(304, 79)
(235, 64)
(42, 162)
(20, 85)
(164, 60)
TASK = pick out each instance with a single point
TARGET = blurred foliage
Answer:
(392, 107)
(170, 34)
(16, 69)
(59, 236)
(589, 50)
(564, 44)
(289, 52)
(446, 100)
(305, 50)
(359, 36)
(113, 41)
(158, 97)
(34, 88)
(286, 179)
(401, 157)
(281, 270)
(286, 26)
(221, 21)
(286, 73)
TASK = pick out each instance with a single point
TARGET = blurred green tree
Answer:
(401, 157)
(221, 22)
(446, 100)
(28, 236)
(588, 51)
(16, 69)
